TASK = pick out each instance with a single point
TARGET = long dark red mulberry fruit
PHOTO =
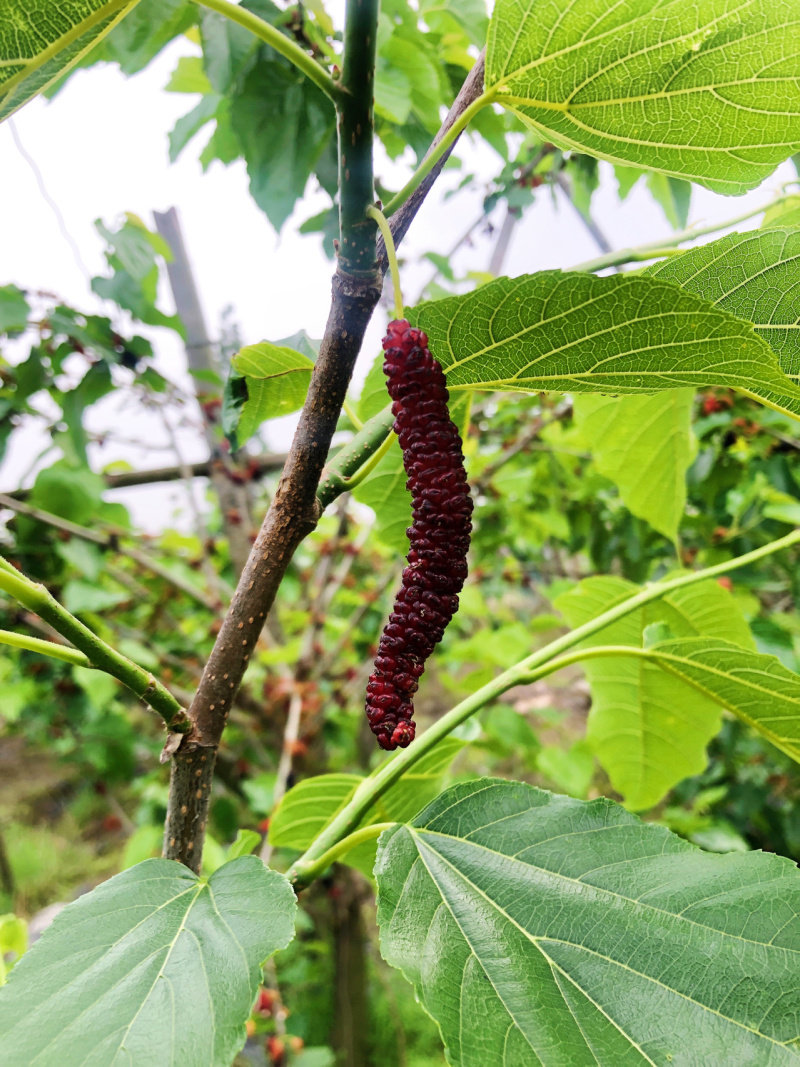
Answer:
(439, 534)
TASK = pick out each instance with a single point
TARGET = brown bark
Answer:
(404, 216)
(257, 466)
(292, 515)
(191, 778)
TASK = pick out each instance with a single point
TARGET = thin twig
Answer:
(465, 236)
(200, 527)
(290, 735)
(51, 203)
(500, 251)
(514, 215)
(110, 541)
(691, 233)
(471, 90)
(354, 622)
(303, 669)
(37, 598)
(524, 441)
(231, 491)
(256, 467)
(595, 232)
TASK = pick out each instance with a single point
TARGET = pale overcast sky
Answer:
(101, 148)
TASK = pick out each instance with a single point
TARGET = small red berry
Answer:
(266, 1001)
(275, 1050)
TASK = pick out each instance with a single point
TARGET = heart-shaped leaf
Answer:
(644, 444)
(153, 966)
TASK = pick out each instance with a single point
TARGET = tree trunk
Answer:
(349, 1037)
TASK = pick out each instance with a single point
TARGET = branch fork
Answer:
(297, 504)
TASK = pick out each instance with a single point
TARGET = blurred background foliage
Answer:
(82, 794)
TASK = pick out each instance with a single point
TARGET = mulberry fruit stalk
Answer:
(439, 533)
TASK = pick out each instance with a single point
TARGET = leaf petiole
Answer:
(376, 785)
(307, 873)
(277, 40)
(364, 472)
(391, 254)
(668, 246)
(438, 150)
(46, 648)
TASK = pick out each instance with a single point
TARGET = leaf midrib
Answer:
(554, 967)
(721, 183)
(535, 941)
(199, 888)
(783, 743)
(76, 32)
(195, 888)
(556, 875)
(584, 338)
(728, 150)
(278, 374)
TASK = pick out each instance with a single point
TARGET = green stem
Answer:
(355, 125)
(391, 255)
(659, 248)
(350, 412)
(430, 161)
(47, 648)
(103, 657)
(656, 253)
(385, 777)
(312, 871)
(7, 567)
(277, 40)
(364, 472)
(598, 652)
(337, 476)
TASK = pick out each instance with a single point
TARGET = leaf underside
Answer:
(704, 91)
(574, 332)
(755, 276)
(755, 687)
(644, 444)
(40, 40)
